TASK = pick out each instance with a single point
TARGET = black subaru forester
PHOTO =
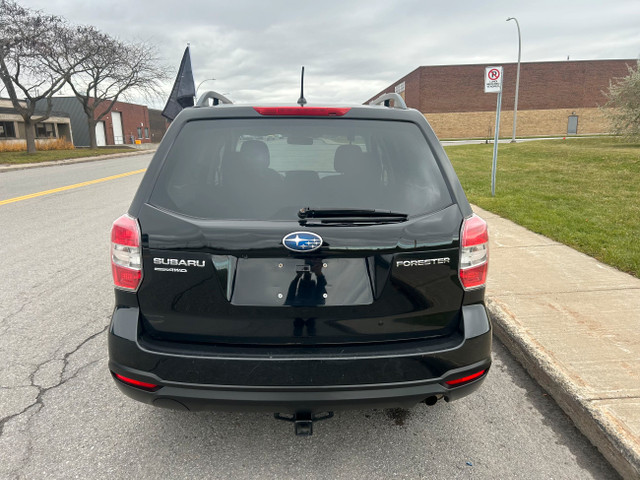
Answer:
(299, 260)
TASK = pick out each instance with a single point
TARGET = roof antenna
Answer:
(302, 101)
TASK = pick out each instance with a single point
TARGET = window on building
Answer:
(7, 130)
(146, 132)
(139, 132)
(45, 130)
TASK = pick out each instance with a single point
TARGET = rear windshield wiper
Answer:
(350, 215)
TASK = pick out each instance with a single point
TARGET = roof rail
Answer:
(211, 95)
(398, 101)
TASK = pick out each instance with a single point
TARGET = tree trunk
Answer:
(30, 134)
(93, 141)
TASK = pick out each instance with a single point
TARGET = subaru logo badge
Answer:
(302, 241)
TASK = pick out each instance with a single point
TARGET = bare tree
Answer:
(30, 41)
(106, 70)
(623, 105)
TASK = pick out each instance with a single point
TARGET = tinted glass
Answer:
(269, 168)
(7, 130)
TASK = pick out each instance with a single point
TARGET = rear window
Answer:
(268, 169)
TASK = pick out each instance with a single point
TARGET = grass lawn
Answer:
(14, 158)
(584, 193)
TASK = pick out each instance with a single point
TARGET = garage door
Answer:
(101, 139)
(118, 136)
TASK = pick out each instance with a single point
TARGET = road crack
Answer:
(38, 401)
(4, 320)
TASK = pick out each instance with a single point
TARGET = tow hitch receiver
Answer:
(303, 421)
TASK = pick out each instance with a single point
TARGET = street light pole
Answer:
(515, 105)
(198, 87)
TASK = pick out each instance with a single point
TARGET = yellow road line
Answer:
(70, 187)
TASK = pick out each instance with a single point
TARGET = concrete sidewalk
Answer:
(574, 323)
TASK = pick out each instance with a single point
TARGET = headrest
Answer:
(255, 154)
(347, 157)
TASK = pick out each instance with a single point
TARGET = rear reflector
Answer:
(474, 253)
(136, 383)
(303, 111)
(466, 379)
(126, 261)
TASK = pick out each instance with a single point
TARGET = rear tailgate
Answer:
(227, 192)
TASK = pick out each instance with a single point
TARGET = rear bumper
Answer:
(289, 380)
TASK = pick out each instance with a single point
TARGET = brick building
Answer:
(134, 121)
(126, 123)
(159, 125)
(452, 97)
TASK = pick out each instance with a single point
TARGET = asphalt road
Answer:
(61, 416)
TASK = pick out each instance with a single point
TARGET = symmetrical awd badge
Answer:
(302, 241)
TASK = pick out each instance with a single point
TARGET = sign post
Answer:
(493, 84)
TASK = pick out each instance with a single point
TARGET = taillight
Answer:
(474, 254)
(136, 383)
(468, 378)
(126, 258)
(303, 111)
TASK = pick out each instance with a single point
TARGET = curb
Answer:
(26, 166)
(603, 433)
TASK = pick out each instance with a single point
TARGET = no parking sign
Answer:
(492, 79)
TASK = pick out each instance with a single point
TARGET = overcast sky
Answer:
(352, 49)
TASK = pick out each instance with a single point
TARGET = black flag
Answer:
(183, 91)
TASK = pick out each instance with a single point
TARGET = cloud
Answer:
(353, 49)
